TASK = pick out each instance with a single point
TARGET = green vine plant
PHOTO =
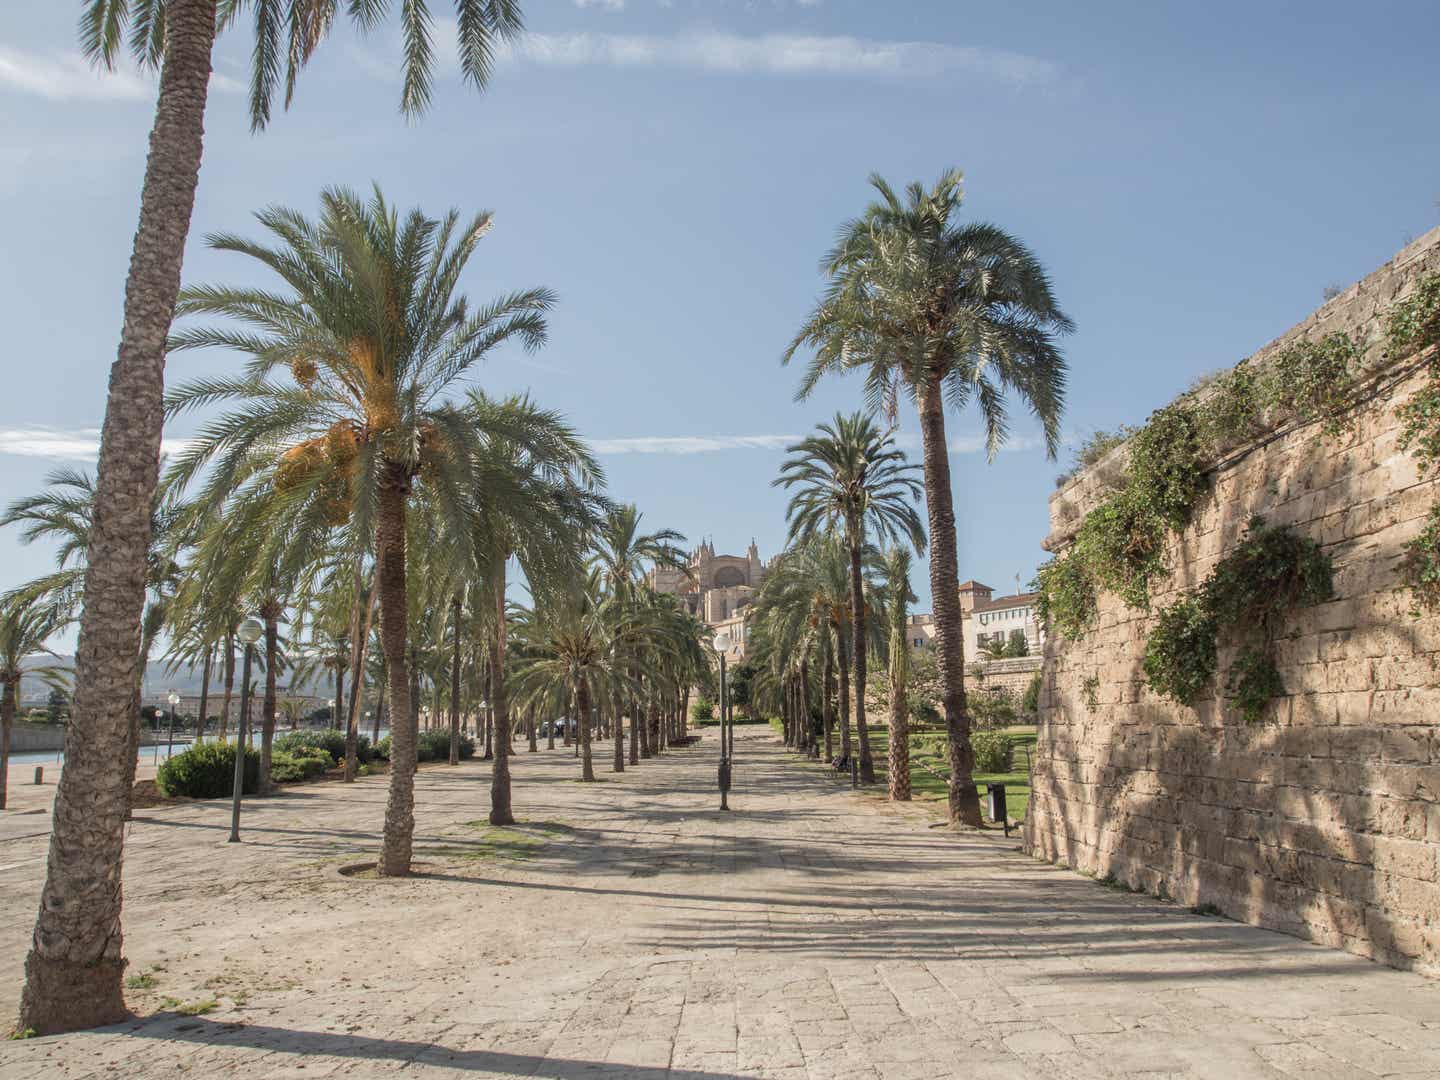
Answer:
(1121, 545)
(1412, 326)
(1091, 688)
(1244, 601)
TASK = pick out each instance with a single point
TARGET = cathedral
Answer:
(714, 587)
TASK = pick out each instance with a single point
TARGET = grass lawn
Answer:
(926, 769)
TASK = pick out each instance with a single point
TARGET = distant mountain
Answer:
(159, 680)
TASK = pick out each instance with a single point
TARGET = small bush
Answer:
(1030, 701)
(207, 771)
(434, 745)
(292, 768)
(994, 751)
(382, 749)
(1314, 380)
(992, 709)
(327, 739)
(703, 709)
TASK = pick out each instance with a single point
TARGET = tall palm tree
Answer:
(851, 476)
(898, 598)
(946, 312)
(25, 626)
(372, 335)
(75, 966)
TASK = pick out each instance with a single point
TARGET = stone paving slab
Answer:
(810, 934)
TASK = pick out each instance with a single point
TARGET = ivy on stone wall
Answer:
(1270, 573)
(1412, 326)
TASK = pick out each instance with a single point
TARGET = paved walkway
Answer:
(631, 930)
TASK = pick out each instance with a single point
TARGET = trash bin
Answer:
(998, 812)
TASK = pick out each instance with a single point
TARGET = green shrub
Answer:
(992, 709)
(1030, 700)
(382, 749)
(434, 745)
(1067, 596)
(703, 709)
(1233, 412)
(207, 771)
(994, 751)
(288, 767)
(327, 739)
(1180, 655)
(1314, 380)
(1269, 572)
(1254, 681)
(1165, 469)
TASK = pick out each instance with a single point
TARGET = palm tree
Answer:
(623, 553)
(946, 312)
(898, 598)
(75, 966)
(25, 627)
(373, 334)
(567, 651)
(851, 476)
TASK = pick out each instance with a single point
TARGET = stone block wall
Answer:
(1323, 819)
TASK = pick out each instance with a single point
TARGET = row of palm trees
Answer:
(948, 314)
(367, 508)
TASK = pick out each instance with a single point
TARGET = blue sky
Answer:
(1193, 175)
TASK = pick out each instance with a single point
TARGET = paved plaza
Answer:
(630, 929)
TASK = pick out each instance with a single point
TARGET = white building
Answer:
(991, 620)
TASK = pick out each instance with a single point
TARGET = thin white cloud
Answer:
(708, 444)
(76, 444)
(69, 77)
(603, 5)
(791, 54)
(690, 444)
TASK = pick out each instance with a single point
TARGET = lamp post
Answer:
(481, 721)
(722, 646)
(174, 700)
(248, 632)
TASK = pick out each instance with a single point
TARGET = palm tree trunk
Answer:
(382, 704)
(73, 974)
(455, 684)
(271, 613)
(805, 731)
(204, 694)
(857, 626)
(399, 838)
(500, 809)
(964, 798)
(359, 634)
(229, 684)
(582, 709)
(414, 688)
(685, 714)
(899, 758)
(339, 708)
(827, 702)
(550, 736)
(8, 689)
(617, 709)
(843, 656)
(530, 728)
(634, 726)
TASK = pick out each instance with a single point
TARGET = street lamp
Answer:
(248, 632)
(722, 646)
(174, 700)
(484, 719)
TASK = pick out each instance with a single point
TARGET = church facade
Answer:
(717, 588)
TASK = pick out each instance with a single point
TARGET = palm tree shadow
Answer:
(308, 1044)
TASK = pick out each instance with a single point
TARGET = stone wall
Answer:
(1323, 819)
(1012, 676)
